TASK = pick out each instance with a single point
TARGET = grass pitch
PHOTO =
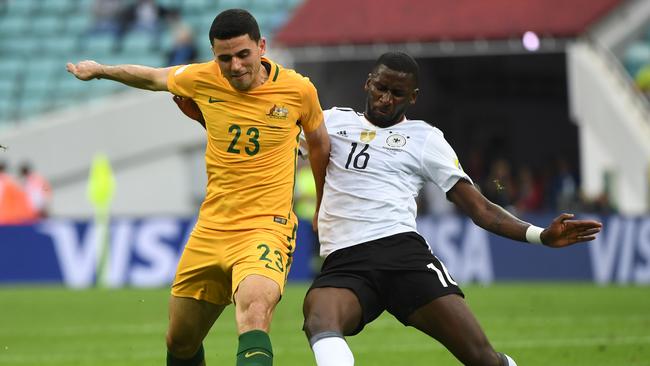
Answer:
(537, 324)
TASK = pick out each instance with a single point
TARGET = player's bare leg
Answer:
(255, 300)
(449, 320)
(330, 313)
(190, 321)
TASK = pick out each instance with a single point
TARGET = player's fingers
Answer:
(70, 67)
(590, 231)
(586, 238)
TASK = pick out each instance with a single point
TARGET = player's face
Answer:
(389, 94)
(240, 60)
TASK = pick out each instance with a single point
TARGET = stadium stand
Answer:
(37, 38)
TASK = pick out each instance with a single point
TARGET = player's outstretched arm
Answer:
(137, 76)
(562, 232)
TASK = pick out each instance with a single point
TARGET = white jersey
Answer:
(375, 174)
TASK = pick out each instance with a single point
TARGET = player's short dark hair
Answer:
(233, 23)
(399, 61)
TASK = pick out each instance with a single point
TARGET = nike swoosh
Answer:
(251, 354)
(215, 100)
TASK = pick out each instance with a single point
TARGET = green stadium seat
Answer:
(18, 47)
(13, 25)
(21, 8)
(65, 44)
(636, 55)
(98, 45)
(8, 88)
(57, 7)
(197, 6)
(46, 25)
(78, 24)
(11, 67)
(138, 43)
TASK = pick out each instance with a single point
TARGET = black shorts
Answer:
(397, 273)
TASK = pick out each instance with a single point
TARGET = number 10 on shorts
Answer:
(443, 275)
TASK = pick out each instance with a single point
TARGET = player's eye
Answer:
(225, 58)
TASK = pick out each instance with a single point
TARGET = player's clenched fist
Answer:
(84, 70)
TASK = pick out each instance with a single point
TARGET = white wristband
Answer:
(534, 234)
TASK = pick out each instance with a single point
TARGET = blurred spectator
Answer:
(563, 190)
(37, 189)
(15, 207)
(106, 16)
(143, 16)
(642, 80)
(432, 200)
(529, 192)
(184, 49)
(499, 186)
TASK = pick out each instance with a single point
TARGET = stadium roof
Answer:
(336, 22)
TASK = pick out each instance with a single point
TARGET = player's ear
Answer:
(366, 86)
(262, 45)
(414, 96)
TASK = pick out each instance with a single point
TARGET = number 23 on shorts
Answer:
(273, 260)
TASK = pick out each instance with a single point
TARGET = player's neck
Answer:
(382, 124)
(263, 74)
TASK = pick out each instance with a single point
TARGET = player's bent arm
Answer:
(562, 232)
(318, 142)
(137, 76)
(486, 214)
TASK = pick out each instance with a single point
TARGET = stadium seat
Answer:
(11, 67)
(196, 6)
(13, 25)
(46, 25)
(57, 7)
(98, 45)
(78, 24)
(636, 55)
(21, 8)
(138, 43)
(21, 46)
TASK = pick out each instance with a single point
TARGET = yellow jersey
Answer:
(252, 144)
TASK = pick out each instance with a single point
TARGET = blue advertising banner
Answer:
(144, 252)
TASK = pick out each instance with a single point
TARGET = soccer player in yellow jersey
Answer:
(240, 249)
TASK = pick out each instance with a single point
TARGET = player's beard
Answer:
(384, 120)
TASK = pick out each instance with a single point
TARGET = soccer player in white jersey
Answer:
(375, 259)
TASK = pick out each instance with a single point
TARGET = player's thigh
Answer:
(262, 253)
(190, 320)
(449, 320)
(331, 309)
(203, 272)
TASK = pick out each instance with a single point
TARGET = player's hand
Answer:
(189, 108)
(84, 70)
(564, 232)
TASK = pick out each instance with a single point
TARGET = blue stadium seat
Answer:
(18, 47)
(78, 24)
(636, 55)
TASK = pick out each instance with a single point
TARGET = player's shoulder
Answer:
(196, 69)
(339, 114)
(425, 128)
(285, 75)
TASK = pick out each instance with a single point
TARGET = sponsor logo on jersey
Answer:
(367, 135)
(395, 140)
(278, 112)
(342, 133)
(215, 100)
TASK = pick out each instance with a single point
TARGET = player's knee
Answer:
(255, 314)
(182, 346)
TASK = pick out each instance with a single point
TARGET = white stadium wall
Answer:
(155, 152)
